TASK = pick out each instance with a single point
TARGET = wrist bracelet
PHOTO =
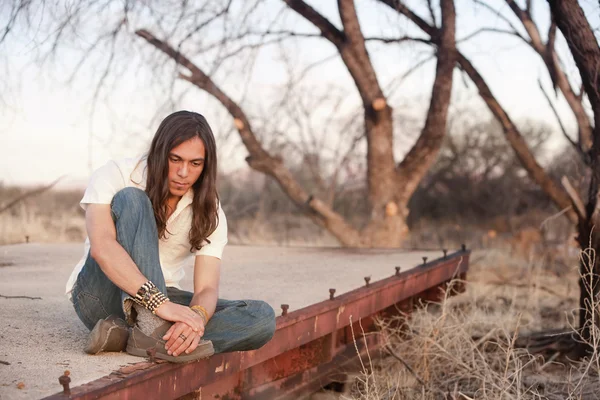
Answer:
(156, 300)
(201, 311)
(150, 297)
(143, 290)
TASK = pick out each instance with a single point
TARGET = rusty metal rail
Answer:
(311, 348)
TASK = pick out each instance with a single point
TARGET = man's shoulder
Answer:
(131, 169)
(129, 163)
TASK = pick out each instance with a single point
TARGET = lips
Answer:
(179, 185)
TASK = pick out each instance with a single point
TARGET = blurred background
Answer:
(79, 88)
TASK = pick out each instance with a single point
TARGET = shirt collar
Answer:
(185, 201)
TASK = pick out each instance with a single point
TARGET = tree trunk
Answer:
(422, 155)
(576, 29)
(384, 229)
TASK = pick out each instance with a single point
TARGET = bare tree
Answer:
(390, 182)
(570, 19)
(558, 195)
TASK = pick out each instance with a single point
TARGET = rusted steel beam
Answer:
(307, 344)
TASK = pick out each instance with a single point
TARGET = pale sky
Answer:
(45, 124)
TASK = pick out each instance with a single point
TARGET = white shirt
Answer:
(173, 250)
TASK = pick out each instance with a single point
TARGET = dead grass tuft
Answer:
(464, 347)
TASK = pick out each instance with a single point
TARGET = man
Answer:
(145, 217)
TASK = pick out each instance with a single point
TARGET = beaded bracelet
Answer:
(201, 311)
(150, 297)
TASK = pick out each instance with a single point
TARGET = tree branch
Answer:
(495, 30)
(398, 39)
(551, 35)
(557, 75)
(431, 13)
(575, 199)
(420, 22)
(501, 16)
(328, 30)
(422, 155)
(520, 13)
(560, 123)
(259, 159)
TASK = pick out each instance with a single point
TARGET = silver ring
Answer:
(182, 336)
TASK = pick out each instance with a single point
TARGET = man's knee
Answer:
(265, 324)
(132, 199)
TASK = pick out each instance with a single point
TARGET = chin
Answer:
(177, 192)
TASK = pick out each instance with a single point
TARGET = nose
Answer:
(182, 171)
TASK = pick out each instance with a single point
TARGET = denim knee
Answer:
(266, 325)
(132, 199)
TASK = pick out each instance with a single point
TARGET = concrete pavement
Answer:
(41, 338)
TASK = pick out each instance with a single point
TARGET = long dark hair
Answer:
(174, 130)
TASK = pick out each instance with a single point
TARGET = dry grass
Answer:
(464, 347)
(53, 216)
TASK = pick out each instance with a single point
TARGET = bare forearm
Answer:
(118, 266)
(206, 298)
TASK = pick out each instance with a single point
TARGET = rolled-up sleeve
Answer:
(104, 183)
(218, 239)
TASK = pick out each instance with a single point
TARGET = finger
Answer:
(180, 343)
(193, 345)
(184, 345)
(175, 336)
(169, 332)
(179, 340)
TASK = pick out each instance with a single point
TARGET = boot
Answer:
(139, 343)
(109, 334)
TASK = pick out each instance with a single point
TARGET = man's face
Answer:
(186, 163)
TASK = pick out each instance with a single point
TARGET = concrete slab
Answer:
(40, 338)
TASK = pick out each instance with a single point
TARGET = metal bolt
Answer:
(445, 252)
(397, 271)
(367, 280)
(151, 352)
(463, 247)
(424, 260)
(64, 380)
(331, 293)
(284, 309)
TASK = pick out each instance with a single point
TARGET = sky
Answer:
(50, 125)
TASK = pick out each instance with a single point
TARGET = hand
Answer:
(176, 345)
(173, 312)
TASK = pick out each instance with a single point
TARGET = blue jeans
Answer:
(236, 325)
